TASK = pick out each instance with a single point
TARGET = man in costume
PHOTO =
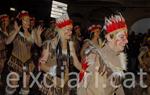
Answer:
(20, 61)
(57, 58)
(103, 67)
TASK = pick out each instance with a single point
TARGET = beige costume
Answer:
(101, 65)
(21, 54)
(50, 57)
(21, 61)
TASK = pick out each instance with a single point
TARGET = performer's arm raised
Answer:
(13, 33)
(44, 57)
(37, 36)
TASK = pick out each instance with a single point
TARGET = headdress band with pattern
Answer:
(114, 23)
(63, 21)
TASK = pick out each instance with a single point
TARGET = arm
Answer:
(76, 62)
(13, 34)
(43, 59)
(11, 37)
(37, 36)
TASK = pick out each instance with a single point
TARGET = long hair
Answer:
(60, 58)
(19, 22)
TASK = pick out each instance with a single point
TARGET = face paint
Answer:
(120, 40)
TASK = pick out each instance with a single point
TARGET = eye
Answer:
(122, 37)
(69, 29)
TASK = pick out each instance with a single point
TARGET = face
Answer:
(119, 40)
(66, 32)
(5, 22)
(78, 32)
(26, 22)
(96, 32)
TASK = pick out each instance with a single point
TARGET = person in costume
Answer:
(20, 61)
(144, 60)
(94, 31)
(32, 22)
(4, 21)
(104, 67)
(49, 33)
(58, 57)
(77, 39)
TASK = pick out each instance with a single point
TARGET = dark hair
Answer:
(19, 22)
(91, 35)
(60, 58)
(10, 27)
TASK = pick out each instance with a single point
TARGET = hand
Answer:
(40, 29)
(16, 27)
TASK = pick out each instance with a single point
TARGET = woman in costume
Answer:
(20, 61)
(103, 67)
(4, 21)
(57, 59)
(94, 31)
(77, 39)
(144, 60)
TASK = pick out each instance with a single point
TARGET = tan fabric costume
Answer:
(101, 66)
(21, 54)
(48, 34)
(51, 59)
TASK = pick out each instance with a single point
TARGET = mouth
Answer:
(69, 35)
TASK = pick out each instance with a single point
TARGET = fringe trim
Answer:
(123, 60)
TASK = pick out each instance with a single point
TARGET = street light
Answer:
(12, 9)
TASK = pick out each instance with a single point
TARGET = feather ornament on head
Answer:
(3, 17)
(76, 27)
(93, 27)
(63, 21)
(22, 14)
(114, 23)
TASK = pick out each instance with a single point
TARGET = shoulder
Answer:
(88, 48)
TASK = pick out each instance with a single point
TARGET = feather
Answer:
(123, 60)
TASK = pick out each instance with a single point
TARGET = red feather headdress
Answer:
(22, 14)
(63, 21)
(76, 27)
(3, 16)
(114, 23)
(93, 27)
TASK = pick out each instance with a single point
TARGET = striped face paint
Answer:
(121, 40)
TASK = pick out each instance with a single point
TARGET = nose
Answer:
(125, 40)
(70, 32)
